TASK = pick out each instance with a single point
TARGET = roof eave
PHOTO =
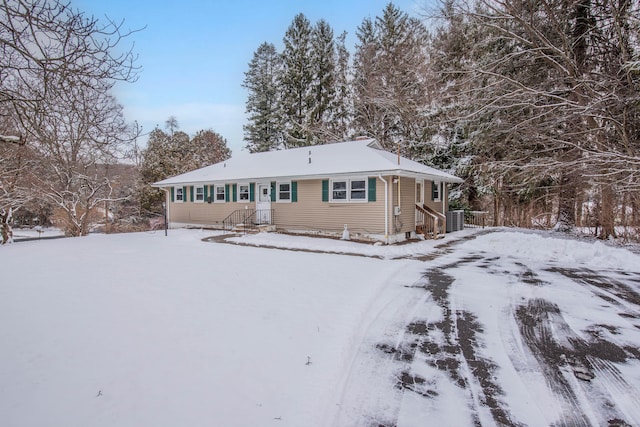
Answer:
(400, 172)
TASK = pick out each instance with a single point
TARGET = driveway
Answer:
(498, 340)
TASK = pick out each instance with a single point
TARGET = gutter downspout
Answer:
(386, 209)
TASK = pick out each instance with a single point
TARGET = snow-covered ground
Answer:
(36, 233)
(504, 328)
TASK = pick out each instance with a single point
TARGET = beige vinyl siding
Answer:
(408, 204)
(311, 213)
(202, 213)
(436, 206)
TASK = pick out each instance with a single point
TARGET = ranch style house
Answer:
(322, 189)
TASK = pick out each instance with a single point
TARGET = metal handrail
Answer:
(247, 218)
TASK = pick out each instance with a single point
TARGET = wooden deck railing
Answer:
(476, 219)
(429, 222)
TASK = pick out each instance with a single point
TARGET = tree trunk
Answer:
(607, 212)
(6, 233)
(566, 203)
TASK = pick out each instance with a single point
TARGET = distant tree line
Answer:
(535, 104)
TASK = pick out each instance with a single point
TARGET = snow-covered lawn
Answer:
(147, 330)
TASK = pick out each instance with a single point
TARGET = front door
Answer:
(263, 204)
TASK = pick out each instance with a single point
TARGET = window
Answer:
(436, 191)
(199, 194)
(179, 194)
(358, 189)
(220, 195)
(284, 191)
(349, 190)
(243, 192)
(339, 190)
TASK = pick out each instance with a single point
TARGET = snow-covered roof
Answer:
(360, 157)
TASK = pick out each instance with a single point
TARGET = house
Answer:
(323, 189)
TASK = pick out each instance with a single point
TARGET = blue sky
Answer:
(193, 54)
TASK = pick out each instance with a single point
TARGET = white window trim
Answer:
(176, 200)
(195, 194)
(215, 193)
(238, 199)
(278, 199)
(438, 185)
(421, 183)
(348, 189)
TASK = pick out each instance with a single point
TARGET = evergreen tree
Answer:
(390, 79)
(263, 132)
(167, 155)
(323, 84)
(342, 102)
(364, 83)
(208, 147)
(295, 83)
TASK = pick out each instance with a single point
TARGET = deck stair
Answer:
(430, 223)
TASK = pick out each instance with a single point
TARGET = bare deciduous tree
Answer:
(58, 69)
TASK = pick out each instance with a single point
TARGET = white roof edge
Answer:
(449, 178)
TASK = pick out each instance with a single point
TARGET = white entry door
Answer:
(263, 204)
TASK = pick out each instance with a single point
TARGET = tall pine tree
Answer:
(390, 90)
(295, 83)
(264, 131)
(323, 83)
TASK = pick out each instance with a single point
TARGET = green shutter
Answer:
(325, 190)
(372, 189)
(434, 188)
(206, 187)
(235, 192)
(212, 192)
(226, 192)
(252, 191)
(294, 191)
(172, 195)
(273, 191)
(191, 198)
(184, 194)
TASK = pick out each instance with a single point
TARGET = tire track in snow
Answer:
(583, 372)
